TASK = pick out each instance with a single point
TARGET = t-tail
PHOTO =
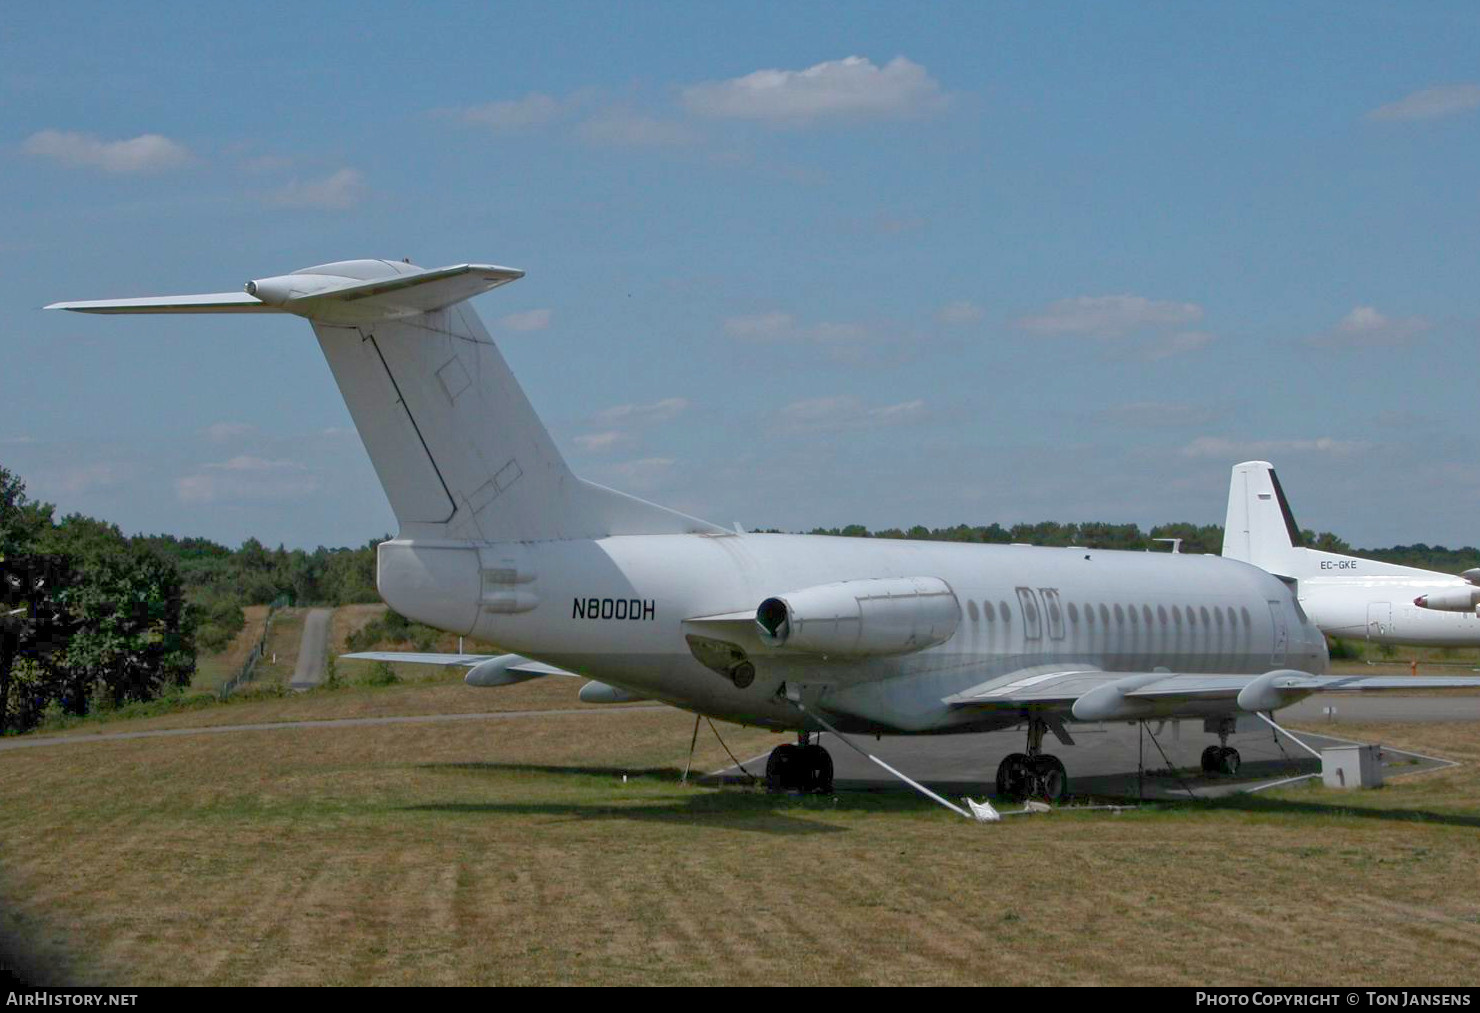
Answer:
(1260, 529)
(459, 450)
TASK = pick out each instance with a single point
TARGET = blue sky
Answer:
(788, 264)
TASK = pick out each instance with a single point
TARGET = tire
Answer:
(1229, 761)
(1051, 780)
(815, 770)
(781, 768)
(1011, 779)
(1211, 759)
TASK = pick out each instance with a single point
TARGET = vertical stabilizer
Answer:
(458, 448)
(1260, 528)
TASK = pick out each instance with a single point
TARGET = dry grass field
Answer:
(510, 850)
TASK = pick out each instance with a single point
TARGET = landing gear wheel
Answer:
(1211, 759)
(814, 770)
(1050, 781)
(781, 767)
(1013, 776)
(1228, 761)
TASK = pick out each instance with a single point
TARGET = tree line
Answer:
(90, 617)
(1206, 538)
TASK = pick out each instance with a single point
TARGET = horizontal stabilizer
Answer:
(215, 302)
(347, 292)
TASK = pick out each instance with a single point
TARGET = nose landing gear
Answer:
(804, 767)
(1034, 774)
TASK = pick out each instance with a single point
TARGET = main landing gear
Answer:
(1034, 774)
(805, 767)
(1222, 758)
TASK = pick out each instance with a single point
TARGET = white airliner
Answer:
(1347, 596)
(500, 541)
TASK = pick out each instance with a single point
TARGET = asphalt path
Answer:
(313, 650)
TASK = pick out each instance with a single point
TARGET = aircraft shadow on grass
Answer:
(755, 811)
(759, 812)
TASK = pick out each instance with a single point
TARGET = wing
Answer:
(1091, 694)
(483, 669)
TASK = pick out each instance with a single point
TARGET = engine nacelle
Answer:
(495, 671)
(1460, 599)
(859, 618)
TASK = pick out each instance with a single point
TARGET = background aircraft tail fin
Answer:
(458, 448)
(1260, 528)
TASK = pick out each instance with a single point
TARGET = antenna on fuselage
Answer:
(1176, 544)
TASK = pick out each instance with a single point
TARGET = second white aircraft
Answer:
(1346, 596)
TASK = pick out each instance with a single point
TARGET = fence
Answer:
(250, 665)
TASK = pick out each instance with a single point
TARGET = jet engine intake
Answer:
(1461, 599)
(879, 616)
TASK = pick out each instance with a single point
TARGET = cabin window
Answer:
(1006, 612)
(971, 610)
(1146, 614)
(1247, 620)
(1135, 618)
(987, 611)
(1119, 616)
(1089, 614)
(1207, 620)
(1161, 614)
(1177, 616)
(1073, 614)
(1105, 616)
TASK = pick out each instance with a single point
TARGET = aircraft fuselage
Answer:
(618, 610)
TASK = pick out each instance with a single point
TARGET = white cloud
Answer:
(596, 443)
(1165, 346)
(1158, 415)
(628, 414)
(513, 114)
(529, 320)
(1244, 450)
(642, 475)
(245, 477)
(1109, 316)
(1431, 103)
(220, 432)
(959, 312)
(1365, 327)
(344, 189)
(75, 479)
(850, 89)
(624, 128)
(761, 327)
(776, 326)
(844, 412)
(145, 153)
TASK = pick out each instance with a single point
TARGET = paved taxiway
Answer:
(1103, 761)
(313, 649)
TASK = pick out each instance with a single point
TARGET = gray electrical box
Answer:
(1353, 766)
